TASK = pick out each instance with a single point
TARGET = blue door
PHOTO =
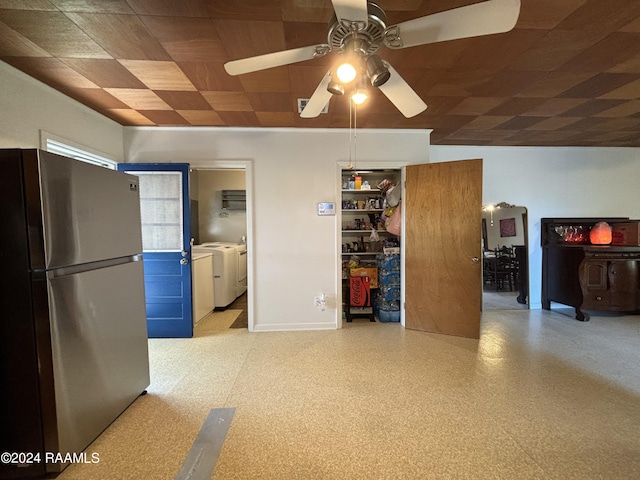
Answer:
(164, 208)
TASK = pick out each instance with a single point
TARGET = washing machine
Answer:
(225, 272)
(241, 250)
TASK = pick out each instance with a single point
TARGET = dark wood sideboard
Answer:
(585, 276)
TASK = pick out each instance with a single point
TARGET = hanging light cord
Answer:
(353, 140)
(350, 166)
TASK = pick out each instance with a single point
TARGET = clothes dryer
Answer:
(241, 287)
(241, 250)
(225, 272)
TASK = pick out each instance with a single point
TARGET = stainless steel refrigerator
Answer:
(73, 334)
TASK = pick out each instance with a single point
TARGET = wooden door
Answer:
(443, 213)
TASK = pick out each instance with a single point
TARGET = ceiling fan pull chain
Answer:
(350, 137)
(355, 135)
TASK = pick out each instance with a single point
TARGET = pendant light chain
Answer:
(355, 136)
(350, 138)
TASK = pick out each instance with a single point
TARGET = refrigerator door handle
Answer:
(84, 267)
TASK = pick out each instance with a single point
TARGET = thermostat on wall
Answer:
(326, 208)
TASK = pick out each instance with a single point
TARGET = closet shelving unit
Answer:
(362, 207)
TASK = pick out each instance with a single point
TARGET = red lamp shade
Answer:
(600, 234)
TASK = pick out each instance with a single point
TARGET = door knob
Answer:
(475, 259)
(184, 261)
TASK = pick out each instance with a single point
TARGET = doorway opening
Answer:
(370, 221)
(505, 272)
(220, 216)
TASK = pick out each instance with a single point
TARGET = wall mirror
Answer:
(505, 265)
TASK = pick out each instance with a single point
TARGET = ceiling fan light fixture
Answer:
(336, 88)
(360, 91)
(377, 71)
(346, 72)
(359, 94)
(359, 97)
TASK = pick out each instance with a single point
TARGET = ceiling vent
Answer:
(302, 102)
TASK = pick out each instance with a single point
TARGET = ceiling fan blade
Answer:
(276, 59)
(484, 18)
(318, 100)
(351, 10)
(402, 95)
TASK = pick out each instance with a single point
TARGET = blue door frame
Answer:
(167, 271)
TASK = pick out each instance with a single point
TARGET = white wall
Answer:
(28, 106)
(555, 182)
(295, 250)
(214, 226)
(494, 238)
(295, 253)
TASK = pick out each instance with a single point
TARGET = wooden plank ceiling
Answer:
(568, 74)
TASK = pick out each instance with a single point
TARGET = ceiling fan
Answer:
(357, 30)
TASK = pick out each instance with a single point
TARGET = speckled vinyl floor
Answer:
(539, 396)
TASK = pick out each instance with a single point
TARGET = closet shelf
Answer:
(234, 199)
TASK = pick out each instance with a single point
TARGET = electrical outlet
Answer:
(319, 301)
